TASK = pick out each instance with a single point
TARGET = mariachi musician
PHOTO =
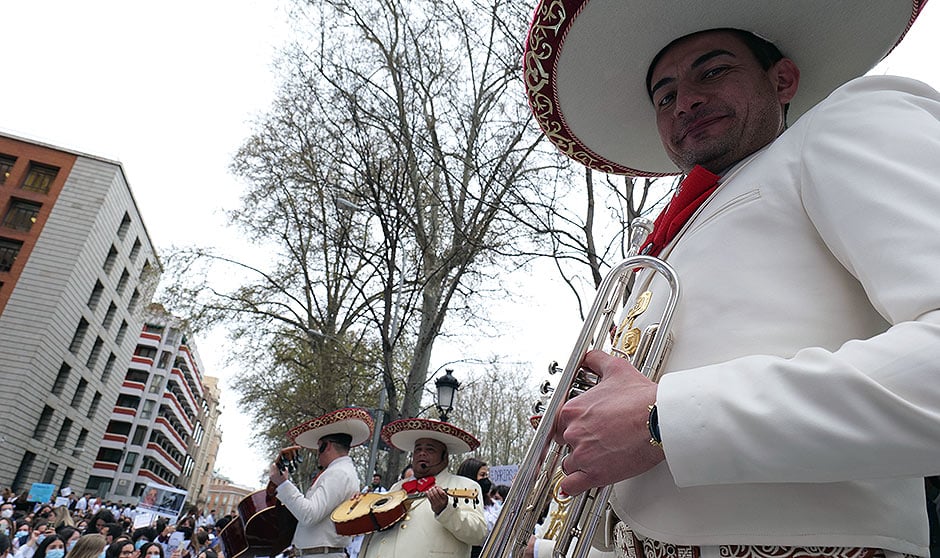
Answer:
(332, 435)
(437, 525)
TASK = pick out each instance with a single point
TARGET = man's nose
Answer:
(688, 98)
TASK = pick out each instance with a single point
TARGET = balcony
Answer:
(159, 455)
(180, 414)
(163, 426)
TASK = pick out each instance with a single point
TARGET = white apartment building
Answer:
(76, 267)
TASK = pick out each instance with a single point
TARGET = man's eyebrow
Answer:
(698, 62)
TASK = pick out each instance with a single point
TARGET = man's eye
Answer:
(714, 72)
(666, 99)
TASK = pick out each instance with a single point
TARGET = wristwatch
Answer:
(652, 422)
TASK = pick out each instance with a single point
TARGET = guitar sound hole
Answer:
(380, 502)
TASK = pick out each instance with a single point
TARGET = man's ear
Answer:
(786, 75)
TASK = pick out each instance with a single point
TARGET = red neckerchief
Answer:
(418, 485)
(692, 193)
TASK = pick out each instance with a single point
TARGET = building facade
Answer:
(76, 267)
(164, 423)
(224, 496)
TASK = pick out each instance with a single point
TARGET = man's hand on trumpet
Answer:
(606, 426)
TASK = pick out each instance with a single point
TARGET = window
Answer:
(164, 360)
(118, 427)
(95, 403)
(135, 249)
(156, 385)
(61, 379)
(109, 260)
(39, 178)
(43, 425)
(49, 475)
(80, 443)
(79, 336)
(79, 394)
(6, 167)
(95, 297)
(139, 436)
(119, 338)
(22, 472)
(21, 215)
(9, 250)
(108, 367)
(145, 352)
(132, 304)
(122, 282)
(147, 411)
(109, 455)
(64, 432)
(153, 328)
(67, 477)
(95, 353)
(125, 224)
(129, 462)
(109, 316)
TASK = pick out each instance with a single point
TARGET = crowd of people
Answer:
(89, 527)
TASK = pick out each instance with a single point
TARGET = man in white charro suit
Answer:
(438, 525)
(332, 435)
(800, 406)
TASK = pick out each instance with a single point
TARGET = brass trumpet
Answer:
(532, 488)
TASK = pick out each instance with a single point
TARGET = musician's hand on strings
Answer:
(606, 427)
(437, 498)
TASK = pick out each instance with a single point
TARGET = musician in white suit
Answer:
(439, 525)
(800, 406)
(332, 435)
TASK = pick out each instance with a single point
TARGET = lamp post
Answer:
(447, 386)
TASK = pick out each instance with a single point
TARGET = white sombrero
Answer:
(353, 421)
(585, 62)
(403, 434)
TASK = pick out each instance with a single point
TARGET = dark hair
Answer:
(65, 532)
(502, 490)
(470, 468)
(146, 547)
(41, 549)
(342, 440)
(114, 549)
(405, 470)
(115, 530)
(4, 544)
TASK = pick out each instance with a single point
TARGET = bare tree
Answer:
(581, 220)
(376, 183)
(497, 406)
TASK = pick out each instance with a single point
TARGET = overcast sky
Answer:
(169, 89)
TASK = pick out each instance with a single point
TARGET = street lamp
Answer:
(447, 386)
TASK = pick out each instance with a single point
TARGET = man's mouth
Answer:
(698, 125)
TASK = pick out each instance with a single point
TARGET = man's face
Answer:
(714, 103)
(428, 458)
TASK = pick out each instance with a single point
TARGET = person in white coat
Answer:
(799, 409)
(438, 525)
(332, 435)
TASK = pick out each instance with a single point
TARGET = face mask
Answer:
(39, 539)
(102, 552)
(6, 513)
(55, 553)
(5, 530)
(140, 543)
(71, 545)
